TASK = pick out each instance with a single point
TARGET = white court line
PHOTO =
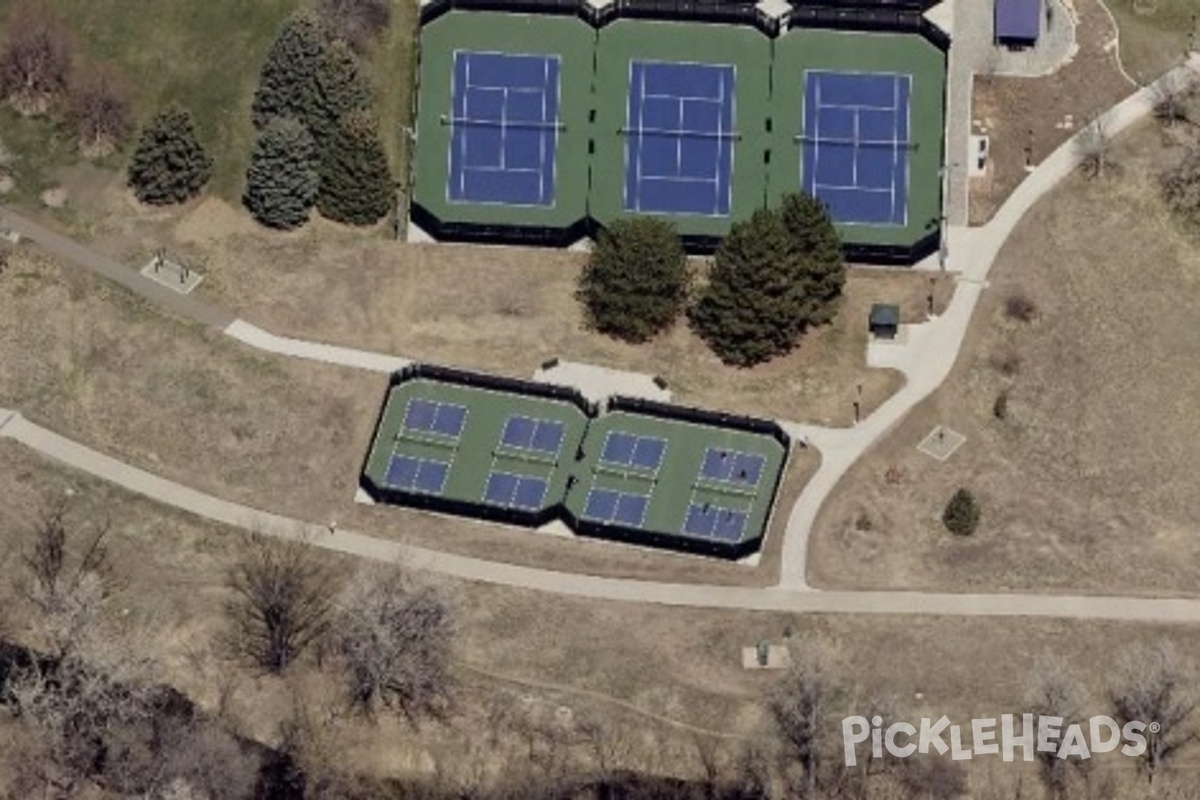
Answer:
(698, 98)
(858, 107)
(720, 144)
(542, 134)
(679, 140)
(462, 150)
(509, 170)
(679, 179)
(836, 188)
(895, 146)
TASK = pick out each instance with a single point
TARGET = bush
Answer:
(636, 281)
(169, 164)
(282, 181)
(1000, 405)
(1019, 306)
(755, 304)
(356, 186)
(1181, 188)
(961, 516)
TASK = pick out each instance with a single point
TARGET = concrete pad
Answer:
(941, 443)
(172, 275)
(778, 657)
(599, 383)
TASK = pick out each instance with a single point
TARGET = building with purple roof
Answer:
(1018, 22)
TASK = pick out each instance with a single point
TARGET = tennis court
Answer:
(503, 128)
(856, 143)
(679, 146)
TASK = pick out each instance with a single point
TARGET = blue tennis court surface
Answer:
(714, 522)
(504, 128)
(628, 450)
(855, 132)
(731, 466)
(679, 138)
(622, 508)
(526, 433)
(424, 475)
(446, 419)
(515, 491)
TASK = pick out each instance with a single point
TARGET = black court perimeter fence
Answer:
(468, 508)
(735, 12)
(499, 233)
(894, 255)
(660, 541)
(919, 5)
(859, 18)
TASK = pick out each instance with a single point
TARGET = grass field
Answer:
(1087, 484)
(96, 364)
(205, 56)
(540, 653)
(499, 309)
(1154, 34)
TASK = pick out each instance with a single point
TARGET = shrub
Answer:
(636, 281)
(1021, 307)
(1181, 187)
(755, 304)
(961, 516)
(169, 164)
(282, 181)
(338, 89)
(1000, 405)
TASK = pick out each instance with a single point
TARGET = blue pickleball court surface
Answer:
(856, 145)
(679, 138)
(504, 128)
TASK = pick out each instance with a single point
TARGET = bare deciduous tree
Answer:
(100, 112)
(798, 707)
(1055, 694)
(35, 62)
(283, 601)
(1094, 145)
(1181, 187)
(355, 22)
(1155, 685)
(1171, 93)
(394, 636)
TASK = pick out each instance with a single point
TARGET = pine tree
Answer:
(753, 307)
(356, 186)
(285, 84)
(338, 89)
(281, 183)
(962, 513)
(637, 280)
(169, 164)
(815, 242)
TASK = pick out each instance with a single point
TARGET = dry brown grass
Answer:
(681, 664)
(502, 309)
(98, 365)
(1088, 484)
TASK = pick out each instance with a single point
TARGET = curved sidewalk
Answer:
(83, 458)
(972, 252)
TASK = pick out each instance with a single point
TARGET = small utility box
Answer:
(884, 321)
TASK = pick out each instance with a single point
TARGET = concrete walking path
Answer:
(353, 543)
(972, 252)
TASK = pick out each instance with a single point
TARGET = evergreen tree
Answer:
(281, 183)
(815, 242)
(338, 89)
(356, 186)
(285, 84)
(753, 307)
(962, 513)
(637, 280)
(169, 164)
